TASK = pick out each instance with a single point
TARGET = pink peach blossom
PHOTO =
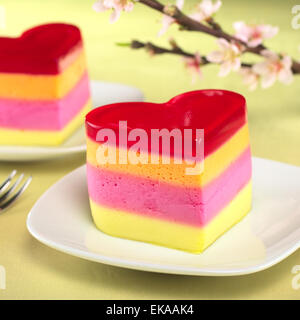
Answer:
(250, 78)
(116, 5)
(254, 35)
(228, 57)
(205, 10)
(274, 67)
(167, 21)
(193, 65)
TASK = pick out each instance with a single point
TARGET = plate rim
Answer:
(154, 267)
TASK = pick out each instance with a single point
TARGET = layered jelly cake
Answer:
(159, 202)
(44, 85)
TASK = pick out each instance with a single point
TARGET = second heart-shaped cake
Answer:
(44, 86)
(199, 183)
(44, 49)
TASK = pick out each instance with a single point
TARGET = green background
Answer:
(35, 271)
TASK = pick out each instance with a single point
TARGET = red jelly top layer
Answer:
(39, 50)
(220, 113)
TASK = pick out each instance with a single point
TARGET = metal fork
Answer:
(8, 196)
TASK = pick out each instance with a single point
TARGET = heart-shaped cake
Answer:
(44, 86)
(177, 174)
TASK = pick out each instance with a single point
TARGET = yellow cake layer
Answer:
(43, 138)
(42, 87)
(179, 236)
(214, 164)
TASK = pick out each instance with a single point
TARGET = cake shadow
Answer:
(100, 281)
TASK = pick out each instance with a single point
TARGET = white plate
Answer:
(102, 93)
(61, 219)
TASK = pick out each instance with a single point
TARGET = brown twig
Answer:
(213, 29)
(154, 49)
(135, 44)
(213, 24)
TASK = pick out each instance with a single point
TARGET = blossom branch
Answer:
(154, 49)
(214, 29)
(192, 25)
(246, 39)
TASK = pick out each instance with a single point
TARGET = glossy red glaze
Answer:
(220, 113)
(39, 50)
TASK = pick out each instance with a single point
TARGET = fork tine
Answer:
(12, 188)
(14, 198)
(6, 183)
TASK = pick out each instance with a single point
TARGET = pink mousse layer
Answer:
(44, 115)
(193, 206)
